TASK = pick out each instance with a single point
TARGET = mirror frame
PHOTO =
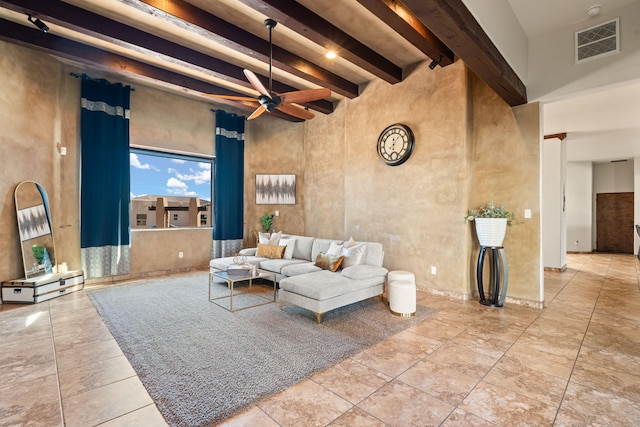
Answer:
(34, 226)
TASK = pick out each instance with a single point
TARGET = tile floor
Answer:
(575, 362)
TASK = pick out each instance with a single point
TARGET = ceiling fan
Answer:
(271, 101)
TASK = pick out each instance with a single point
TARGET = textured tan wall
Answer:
(506, 170)
(40, 111)
(35, 119)
(416, 210)
(273, 146)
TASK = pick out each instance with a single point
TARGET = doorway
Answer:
(614, 222)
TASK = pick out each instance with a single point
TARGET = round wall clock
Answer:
(395, 144)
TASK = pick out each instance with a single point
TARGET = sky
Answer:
(164, 176)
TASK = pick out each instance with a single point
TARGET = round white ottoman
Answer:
(402, 298)
(401, 275)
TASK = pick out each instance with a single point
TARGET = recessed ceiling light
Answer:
(331, 54)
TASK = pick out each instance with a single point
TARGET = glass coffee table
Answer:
(225, 286)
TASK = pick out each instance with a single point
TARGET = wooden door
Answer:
(614, 222)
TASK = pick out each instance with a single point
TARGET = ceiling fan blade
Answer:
(295, 111)
(257, 113)
(256, 83)
(305, 95)
(231, 97)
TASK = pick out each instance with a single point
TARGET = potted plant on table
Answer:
(491, 223)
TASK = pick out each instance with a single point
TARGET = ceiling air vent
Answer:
(594, 42)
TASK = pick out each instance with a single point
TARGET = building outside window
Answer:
(141, 220)
(169, 190)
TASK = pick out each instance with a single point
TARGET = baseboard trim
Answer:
(556, 269)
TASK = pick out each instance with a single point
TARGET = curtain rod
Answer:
(78, 76)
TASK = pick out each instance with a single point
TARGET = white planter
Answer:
(491, 231)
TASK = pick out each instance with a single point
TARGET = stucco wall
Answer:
(416, 210)
(39, 113)
(506, 170)
(469, 144)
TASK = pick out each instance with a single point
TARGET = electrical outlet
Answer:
(433, 270)
(527, 213)
(277, 213)
(180, 254)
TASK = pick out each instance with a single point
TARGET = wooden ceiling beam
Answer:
(315, 28)
(228, 35)
(102, 60)
(452, 23)
(95, 25)
(397, 16)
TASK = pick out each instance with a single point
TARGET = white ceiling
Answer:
(542, 16)
(602, 114)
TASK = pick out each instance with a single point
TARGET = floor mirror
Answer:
(34, 225)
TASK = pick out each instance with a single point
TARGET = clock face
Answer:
(395, 144)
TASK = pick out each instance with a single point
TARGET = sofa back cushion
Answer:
(321, 246)
(373, 254)
(302, 248)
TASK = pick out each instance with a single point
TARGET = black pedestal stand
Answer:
(498, 276)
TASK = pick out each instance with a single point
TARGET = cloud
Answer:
(178, 161)
(201, 176)
(135, 162)
(176, 184)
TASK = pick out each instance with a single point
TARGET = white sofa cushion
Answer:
(276, 265)
(325, 284)
(301, 268)
(359, 272)
(302, 249)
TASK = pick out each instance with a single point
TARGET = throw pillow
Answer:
(263, 238)
(350, 243)
(275, 238)
(353, 255)
(289, 244)
(328, 262)
(334, 249)
(270, 251)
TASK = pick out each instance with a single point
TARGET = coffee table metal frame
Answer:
(232, 279)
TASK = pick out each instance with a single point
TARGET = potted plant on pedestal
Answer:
(491, 223)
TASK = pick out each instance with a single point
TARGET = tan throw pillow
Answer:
(329, 262)
(270, 251)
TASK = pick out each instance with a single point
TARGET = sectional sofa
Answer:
(304, 269)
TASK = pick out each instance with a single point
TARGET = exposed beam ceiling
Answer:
(404, 22)
(200, 47)
(452, 23)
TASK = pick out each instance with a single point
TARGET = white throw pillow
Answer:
(263, 238)
(350, 243)
(334, 249)
(290, 246)
(353, 255)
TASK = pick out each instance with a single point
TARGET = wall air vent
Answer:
(598, 41)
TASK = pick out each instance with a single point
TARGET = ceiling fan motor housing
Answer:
(270, 104)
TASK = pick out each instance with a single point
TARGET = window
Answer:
(169, 185)
(141, 220)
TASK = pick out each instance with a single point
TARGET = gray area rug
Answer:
(202, 364)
